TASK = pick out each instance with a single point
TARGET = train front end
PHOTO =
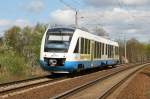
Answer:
(54, 49)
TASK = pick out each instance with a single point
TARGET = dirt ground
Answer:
(139, 87)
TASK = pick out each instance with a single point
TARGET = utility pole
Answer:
(76, 19)
(125, 48)
(76, 12)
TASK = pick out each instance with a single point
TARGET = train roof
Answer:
(60, 29)
(94, 37)
(83, 33)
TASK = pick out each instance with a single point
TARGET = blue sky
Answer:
(19, 9)
(115, 16)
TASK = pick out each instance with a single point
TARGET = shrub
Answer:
(13, 64)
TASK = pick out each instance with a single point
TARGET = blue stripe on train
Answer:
(73, 65)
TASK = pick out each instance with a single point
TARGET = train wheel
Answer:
(113, 66)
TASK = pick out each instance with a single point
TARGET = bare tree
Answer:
(100, 32)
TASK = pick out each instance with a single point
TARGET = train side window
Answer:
(112, 51)
(82, 46)
(95, 50)
(109, 51)
(77, 47)
(115, 50)
(89, 46)
(99, 50)
(106, 49)
(85, 46)
(102, 48)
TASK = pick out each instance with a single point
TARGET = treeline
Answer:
(136, 51)
(19, 50)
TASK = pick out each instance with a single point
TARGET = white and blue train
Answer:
(69, 49)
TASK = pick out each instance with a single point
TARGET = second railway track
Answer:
(7, 88)
(75, 92)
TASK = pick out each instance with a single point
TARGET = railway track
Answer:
(7, 88)
(113, 88)
(27, 82)
(12, 87)
(104, 95)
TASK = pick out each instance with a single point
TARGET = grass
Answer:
(14, 67)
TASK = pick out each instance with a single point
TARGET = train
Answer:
(66, 49)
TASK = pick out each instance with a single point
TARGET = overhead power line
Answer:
(76, 12)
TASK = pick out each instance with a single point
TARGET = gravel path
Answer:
(139, 86)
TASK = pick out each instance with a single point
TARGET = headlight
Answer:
(52, 62)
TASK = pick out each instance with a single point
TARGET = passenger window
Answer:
(82, 46)
(86, 46)
(77, 47)
(95, 50)
(89, 46)
(106, 49)
(100, 50)
(103, 49)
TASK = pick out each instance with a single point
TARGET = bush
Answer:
(13, 63)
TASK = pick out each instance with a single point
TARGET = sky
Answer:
(118, 17)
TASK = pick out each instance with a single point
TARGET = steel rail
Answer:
(14, 89)
(109, 92)
(88, 84)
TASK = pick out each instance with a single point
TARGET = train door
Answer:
(92, 53)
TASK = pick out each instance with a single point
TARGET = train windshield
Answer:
(58, 40)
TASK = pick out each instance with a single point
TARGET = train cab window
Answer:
(58, 40)
(77, 47)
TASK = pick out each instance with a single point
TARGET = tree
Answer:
(148, 51)
(100, 32)
(135, 50)
(1, 41)
(12, 37)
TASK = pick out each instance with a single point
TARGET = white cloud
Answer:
(114, 3)
(136, 2)
(22, 23)
(114, 21)
(5, 24)
(63, 16)
(35, 6)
